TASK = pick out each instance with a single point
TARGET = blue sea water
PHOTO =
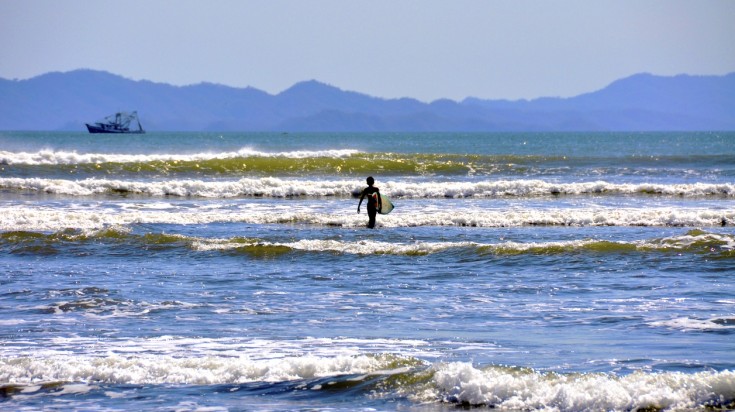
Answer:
(519, 271)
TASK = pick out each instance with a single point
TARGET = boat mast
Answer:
(135, 114)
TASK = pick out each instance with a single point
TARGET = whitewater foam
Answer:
(52, 157)
(48, 218)
(168, 359)
(505, 388)
(694, 241)
(677, 243)
(517, 389)
(279, 188)
(143, 369)
(364, 247)
(690, 324)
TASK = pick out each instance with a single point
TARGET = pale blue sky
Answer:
(423, 49)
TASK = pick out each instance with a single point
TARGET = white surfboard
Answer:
(387, 205)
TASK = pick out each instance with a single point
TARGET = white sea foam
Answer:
(253, 349)
(169, 359)
(91, 223)
(278, 188)
(52, 157)
(504, 388)
(534, 187)
(722, 241)
(371, 247)
(45, 218)
(263, 187)
(12, 322)
(690, 324)
(364, 247)
(508, 389)
(146, 369)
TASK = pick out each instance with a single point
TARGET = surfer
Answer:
(374, 203)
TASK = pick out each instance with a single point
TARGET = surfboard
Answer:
(387, 205)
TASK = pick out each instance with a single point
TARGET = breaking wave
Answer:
(694, 241)
(519, 389)
(44, 219)
(351, 162)
(51, 157)
(50, 219)
(381, 375)
(280, 188)
(293, 163)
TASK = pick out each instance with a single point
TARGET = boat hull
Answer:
(97, 129)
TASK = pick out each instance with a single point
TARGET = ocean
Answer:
(232, 272)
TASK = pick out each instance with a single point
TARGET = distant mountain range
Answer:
(643, 102)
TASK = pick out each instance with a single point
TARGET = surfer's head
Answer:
(370, 181)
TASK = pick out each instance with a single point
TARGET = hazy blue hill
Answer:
(638, 102)
(702, 100)
(55, 101)
(312, 97)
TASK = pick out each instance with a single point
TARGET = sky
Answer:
(423, 49)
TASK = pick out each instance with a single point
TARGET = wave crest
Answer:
(51, 157)
(41, 219)
(500, 387)
(280, 188)
(694, 241)
(521, 389)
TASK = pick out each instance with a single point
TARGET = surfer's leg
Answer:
(371, 216)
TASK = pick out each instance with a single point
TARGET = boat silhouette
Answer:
(116, 123)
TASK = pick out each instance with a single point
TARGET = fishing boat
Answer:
(116, 123)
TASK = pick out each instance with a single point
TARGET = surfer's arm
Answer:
(362, 196)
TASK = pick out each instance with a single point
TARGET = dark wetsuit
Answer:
(373, 203)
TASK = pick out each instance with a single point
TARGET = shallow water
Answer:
(518, 271)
